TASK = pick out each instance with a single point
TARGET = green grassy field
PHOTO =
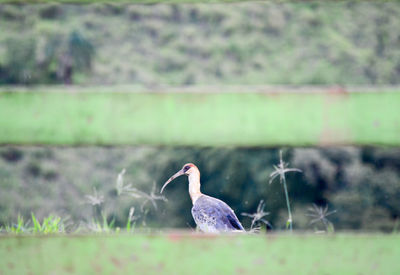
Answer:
(285, 42)
(202, 119)
(201, 254)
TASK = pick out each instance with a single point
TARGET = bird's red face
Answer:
(186, 170)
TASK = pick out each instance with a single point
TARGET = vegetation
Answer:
(62, 56)
(360, 184)
(280, 170)
(151, 2)
(114, 190)
(242, 43)
(154, 46)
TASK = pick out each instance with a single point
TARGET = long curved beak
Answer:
(177, 174)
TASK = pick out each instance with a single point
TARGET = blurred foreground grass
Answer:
(176, 253)
(200, 119)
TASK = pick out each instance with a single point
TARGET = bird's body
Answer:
(213, 216)
(210, 214)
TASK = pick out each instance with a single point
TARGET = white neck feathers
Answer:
(194, 185)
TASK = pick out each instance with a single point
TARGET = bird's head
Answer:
(187, 169)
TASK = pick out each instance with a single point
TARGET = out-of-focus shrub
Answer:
(56, 58)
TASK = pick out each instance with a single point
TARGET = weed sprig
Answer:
(280, 170)
(258, 217)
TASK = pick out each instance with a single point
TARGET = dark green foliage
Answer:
(11, 154)
(57, 58)
(11, 12)
(19, 64)
(362, 189)
(51, 11)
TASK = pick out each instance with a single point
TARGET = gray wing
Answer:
(212, 214)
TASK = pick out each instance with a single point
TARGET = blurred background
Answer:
(298, 43)
(145, 48)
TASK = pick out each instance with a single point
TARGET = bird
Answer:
(211, 215)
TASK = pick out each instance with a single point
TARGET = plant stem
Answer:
(287, 203)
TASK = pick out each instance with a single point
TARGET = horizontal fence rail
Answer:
(173, 254)
(189, 118)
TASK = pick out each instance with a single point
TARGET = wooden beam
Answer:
(200, 119)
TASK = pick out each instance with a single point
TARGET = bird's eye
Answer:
(186, 168)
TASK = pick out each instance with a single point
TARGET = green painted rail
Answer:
(201, 254)
(200, 119)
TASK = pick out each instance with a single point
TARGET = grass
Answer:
(53, 225)
(295, 43)
(99, 223)
(124, 1)
(202, 119)
(176, 253)
(49, 225)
